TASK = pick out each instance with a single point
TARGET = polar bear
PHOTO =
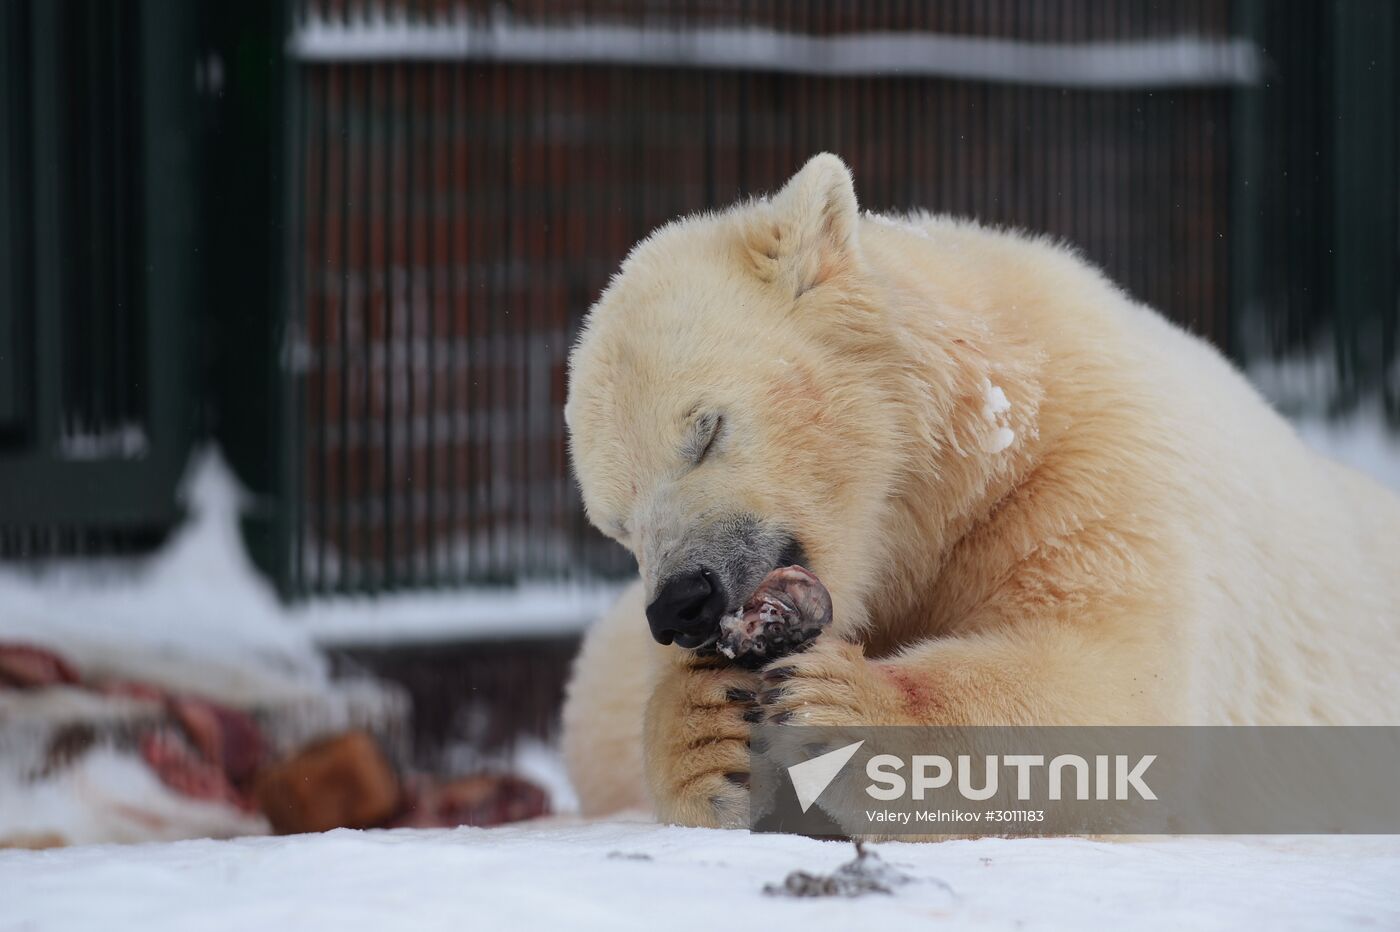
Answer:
(1033, 500)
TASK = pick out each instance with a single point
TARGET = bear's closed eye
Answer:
(703, 435)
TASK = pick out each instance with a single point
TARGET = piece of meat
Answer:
(340, 782)
(25, 667)
(789, 608)
(480, 800)
(225, 737)
(142, 692)
(181, 768)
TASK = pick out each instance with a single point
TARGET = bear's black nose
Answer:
(687, 610)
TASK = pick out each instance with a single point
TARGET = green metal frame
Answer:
(249, 310)
(1365, 219)
(1347, 198)
(39, 485)
(14, 243)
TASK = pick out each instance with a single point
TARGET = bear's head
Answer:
(732, 406)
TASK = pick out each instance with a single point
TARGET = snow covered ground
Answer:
(636, 875)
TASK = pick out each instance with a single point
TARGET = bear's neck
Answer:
(964, 452)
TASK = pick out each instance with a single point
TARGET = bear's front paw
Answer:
(697, 744)
(830, 684)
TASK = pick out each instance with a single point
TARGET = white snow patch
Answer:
(895, 222)
(622, 875)
(995, 408)
(198, 617)
(543, 764)
(123, 440)
(994, 402)
(1299, 383)
(1168, 61)
(108, 796)
(194, 617)
(1303, 387)
(998, 440)
(1361, 440)
(529, 609)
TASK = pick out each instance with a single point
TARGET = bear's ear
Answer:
(808, 234)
